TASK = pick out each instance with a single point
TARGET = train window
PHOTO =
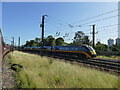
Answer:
(91, 48)
(76, 49)
(73, 49)
(81, 48)
(67, 48)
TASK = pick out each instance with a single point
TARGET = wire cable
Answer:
(98, 15)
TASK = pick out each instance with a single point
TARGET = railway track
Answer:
(102, 64)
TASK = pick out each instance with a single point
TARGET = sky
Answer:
(23, 19)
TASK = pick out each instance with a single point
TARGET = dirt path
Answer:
(8, 80)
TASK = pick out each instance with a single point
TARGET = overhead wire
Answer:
(99, 15)
(108, 26)
(92, 21)
(61, 23)
(95, 21)
(90, 17)
(100, 20)
(57, 20)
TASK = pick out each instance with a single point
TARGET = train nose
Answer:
(93, 53)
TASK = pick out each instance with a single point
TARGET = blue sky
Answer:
(24, 18)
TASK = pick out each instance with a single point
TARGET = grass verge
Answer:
(110, 57)
(43, 72)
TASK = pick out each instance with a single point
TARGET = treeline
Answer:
(49, 41)
(79, 38)
(103, 47)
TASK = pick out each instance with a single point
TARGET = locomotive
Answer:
(81, 51)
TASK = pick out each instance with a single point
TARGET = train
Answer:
(81, 51)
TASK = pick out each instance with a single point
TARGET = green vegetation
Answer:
(43, 72)
(81, 38)
(110, 57)
(49, 41)
(103, 47)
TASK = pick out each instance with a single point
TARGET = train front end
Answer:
(92, 51)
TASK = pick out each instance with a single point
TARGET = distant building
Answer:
(110, 42)
(117, 41)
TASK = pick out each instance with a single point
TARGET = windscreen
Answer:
(91, 48)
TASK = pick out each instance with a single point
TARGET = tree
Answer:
(51, 41)
(59, 41)
(86, 40)
(50, 36)
(100, 47)
(98, 43)
(45, 42)
(80, 38)
(38, 41)
(27, 44)
(30, 43)
(114, 48)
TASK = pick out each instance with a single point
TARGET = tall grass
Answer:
(43, 72)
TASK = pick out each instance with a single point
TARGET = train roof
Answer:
(61, 46)
(72, 46)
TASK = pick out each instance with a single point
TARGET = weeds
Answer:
(42, 72)
(50, 61)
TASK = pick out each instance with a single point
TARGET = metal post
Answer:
(42, 25)
(93, 36)
(19, 43)
(12, 44)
